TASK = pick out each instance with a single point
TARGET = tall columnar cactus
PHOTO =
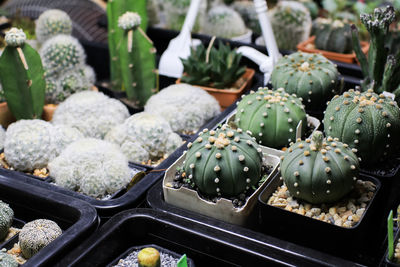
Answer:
(6, 219)
(368, 122)
(334, 37)
(319, 170)
(224, 162)
(310, 76)
(22, 77)
(271, 116)
(131, 52)
(52, 22)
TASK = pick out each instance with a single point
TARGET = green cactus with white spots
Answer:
(368, 122)
(7, 260)
(319, 170)
(334, 37)
(271, 116)
(311, 77)
(224, 162)
(6, 219)
(51, 23)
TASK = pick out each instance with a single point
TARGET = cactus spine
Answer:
(22, 77)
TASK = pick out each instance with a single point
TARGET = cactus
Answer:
(2, 137)
(51, 23)
(91, 166)
(310, 76)
(319, 170)
(144, 131)
(148, 257)
(6, 219)
(36, 235)
(89, 73)
(271, 116)
(312, 8)
(291, 23)
(7, 260)
(224, 162)
(86, 112)
(22, 77)
(224, 22)
(175, 13)
(335, 37)
(368, 122)
(185, 107)
(249, 15)
(65, 135)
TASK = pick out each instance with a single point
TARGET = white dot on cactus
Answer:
(189, 145)
(296, 184)
(289, 140)
(234, 148)
(205, 130)
(217, 168)
(208, 146)
(198, 154)
(212, 132)
(216, 180)
(218, 155)
(230, 134)
(265, 114)
(249, 102)
(353, 167)
(296, 173)
(309, 100)
(130, 66)
(331, 118)
(328, 191)
(260, 134)
(354, 178)
(259, 150)
(286, 110)
(357, 131)
(190, 176)
(328, 181)
(199, 139)
(241, 158)
(242, 110)
(298, 192)
(290, 120)
(310, 92)
(239, 130)
(330, 127)
(327, 170)
(388, 125)
(192, 166)
(236, 139)
(249, 142)
(246, 169)
(217, 189)
(356, 141)
(388, 135)
(387, 146)
(291, 130)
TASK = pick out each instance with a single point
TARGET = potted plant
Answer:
(218, 71)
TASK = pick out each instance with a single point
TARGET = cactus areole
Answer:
(319, 170)
(368, 122)
(224, 162)
(271, 116)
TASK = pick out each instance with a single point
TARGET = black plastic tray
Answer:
(206, 246)
(77, 218)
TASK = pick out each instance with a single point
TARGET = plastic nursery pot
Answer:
(309, 47)
(228, 246)
(223, 208)
(6, 117)
(227, 97)
(349, 243)
(76, 218)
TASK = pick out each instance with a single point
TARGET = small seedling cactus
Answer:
(271, 116)
(149, 257)
(334, 37)
(6, 219)
(319, 171)
(51, 23)
(36, 235)
(7, 260)
(224, 162)
(22, 77)
(368, 122)
(310, 76)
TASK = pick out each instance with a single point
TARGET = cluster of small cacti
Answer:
(91, 166)
(224, 162)
(271, 116)
(335, 37)
(6, 260)
(185, 107)
(51, 23)
(31, 144)
(36, 235)
(310, 76)
(92, 113)
(319, 170)
(6, 219)
(144, 136)
(368, 122)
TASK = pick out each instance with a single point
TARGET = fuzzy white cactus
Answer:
(91, 166)
(185, 107)
(2, 137)
(92, 113)
(65, 135)
(51, 23)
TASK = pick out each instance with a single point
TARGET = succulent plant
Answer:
(224, 162)
(224, 22)
(62, 53)
(310, 76)
(7, 260)
(89, 73)
(312, 7)
(247, 11)
(185, 107)
(6, 219)
(2, 137)
(148, 257)
(271, 116)
(86, 112)
(36, 235)
(334, 37)
(319, 170)
(368, 122)
(91, 166)
(291, 23)
(144, 131)
(63, 136)
(52, 22)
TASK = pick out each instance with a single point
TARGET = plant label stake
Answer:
(182, 261)
(298, 130)
(390, 235)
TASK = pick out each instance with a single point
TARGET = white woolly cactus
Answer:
(52, 22)
(2, 137)
(225, 22)
(91, 166)
(92, 113)
(65, 135)
(185, 107)
(145, 136)
(15, 37)
(62, 53)
(89, 74)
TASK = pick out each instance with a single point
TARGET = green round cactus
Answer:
(148, 257)
(6, 219)
(368, 122)
(310, 76)
(335, 37)
(224, 162)
(51, 23)
(36, 235)
(6, 260)
(319, 171)
(271, 116)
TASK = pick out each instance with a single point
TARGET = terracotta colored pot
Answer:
(6, 117)
(309, 47)
(227, 97)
